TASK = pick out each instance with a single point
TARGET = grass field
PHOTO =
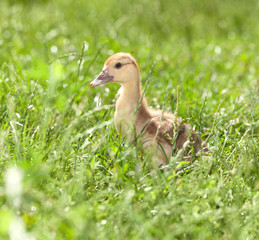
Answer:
(64, 171)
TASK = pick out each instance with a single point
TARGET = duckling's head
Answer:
(121, 68)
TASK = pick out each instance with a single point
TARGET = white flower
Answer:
(13, 182)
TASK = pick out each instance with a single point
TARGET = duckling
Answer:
(161, 133)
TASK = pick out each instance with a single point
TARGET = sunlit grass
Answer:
(77, 178)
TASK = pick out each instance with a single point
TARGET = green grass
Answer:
(81, 180)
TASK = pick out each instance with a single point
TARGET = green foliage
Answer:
(80, 180)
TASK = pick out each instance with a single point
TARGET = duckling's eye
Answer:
(118, 65)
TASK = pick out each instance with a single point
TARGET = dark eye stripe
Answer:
(118, 65)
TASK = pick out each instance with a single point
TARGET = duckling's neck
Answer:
(130, 96)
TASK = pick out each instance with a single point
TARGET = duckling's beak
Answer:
(103, 77)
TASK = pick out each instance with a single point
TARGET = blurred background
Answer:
(179, 35)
